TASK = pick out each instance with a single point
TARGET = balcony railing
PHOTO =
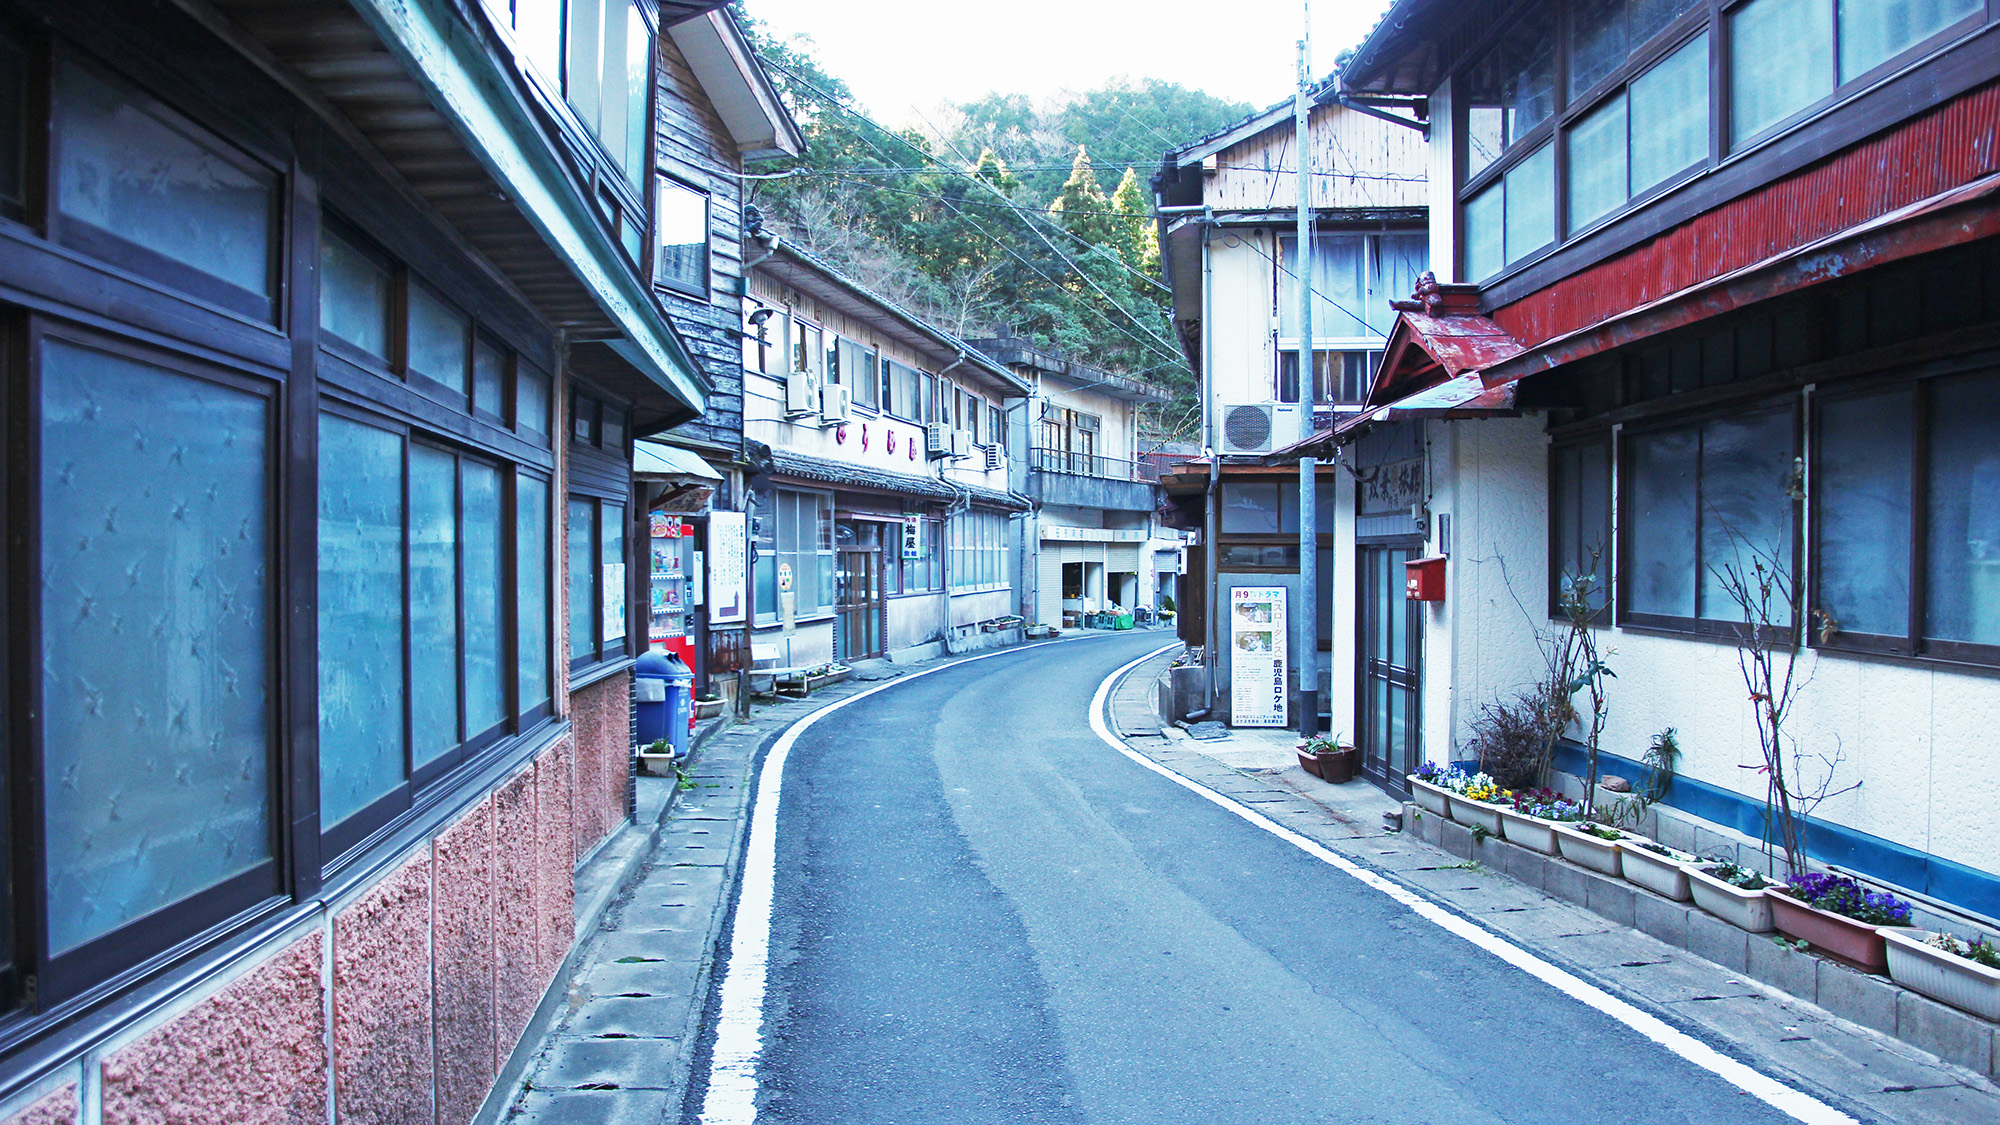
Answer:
(1075, 464)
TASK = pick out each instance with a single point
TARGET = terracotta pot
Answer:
(1833, 935)
(1432, 798)
(1942, 976)
(1337, 767)
(1746, 910)
(1309, 763)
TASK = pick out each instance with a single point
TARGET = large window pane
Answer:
(489, 378)
(354, 292)
(433, 603)
(1250, 509)
(1337, 285)
(638, 84)
(485, 639)
(13, 135)
(1512, 89)
(360, 616)
(531, 588)
(155, 638)
(582, 580)
(611, 538)
(531, 399)
(440, 337)
(154, 182)
(1862, 487)
(1399, 260)
(1597, 163)
(1874, 31)
(1485, 236)
(583, 49)
(1670, 115)
(1780, 61)
(1963, 575)
(1581, 513)
(538, 28)
(1597, 43)
(1659, 570)
(1531, 204)
(1746, 512)
(683, 225)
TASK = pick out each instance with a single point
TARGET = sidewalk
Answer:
(1869, 1074)
(615, 1048)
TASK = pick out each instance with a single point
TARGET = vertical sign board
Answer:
(912, 536)
(728, 569)
(1257, 632)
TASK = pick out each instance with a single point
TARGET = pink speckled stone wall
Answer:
(555, 874)
(250, 1054)
(57, 1107)
(462, 944)
(382, 1001)
(517, 982)
(601, 719)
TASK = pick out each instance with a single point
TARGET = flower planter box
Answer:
(802, 686)
(1475, 814)
(1528, 831)
(709, 708)
(1434, 798)
(1661, 874)
(1833, 935)
(1585, 850)
(1944, 977)
(1746, 910)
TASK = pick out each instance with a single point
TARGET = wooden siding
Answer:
(1357, 161)
(1929, 154)
(692, 145)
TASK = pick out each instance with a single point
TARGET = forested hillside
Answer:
(997, 213)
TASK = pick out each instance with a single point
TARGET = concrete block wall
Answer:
(396, 1003)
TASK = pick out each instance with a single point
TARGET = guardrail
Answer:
(1070, 463)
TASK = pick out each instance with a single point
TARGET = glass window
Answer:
(583, 605)
(1746, 513)
(13, 134)
(1780, 61)
(1670, 115)
(156, 634)
(1485, 236)
(1597, 173)
(440, 340)
(1658, 571)
(1603, 33)
(355, 291)
(608, 53)
(434, 636)
(531, 399)
(538, 28)
(489, 378)
(683, 224)
(1861, 486)
(764, 543)
(484, 593)
(1511, 90)
(1963, 561)
(1580, 509)
(611, 537)
(1531, 204)
(583, 59)
(614, 428)
(1874, 31)
(1250, 509)
(152, 181)
(638, 85)
(1396, 263)
(361, 624)
(1339, 264)
(531, 588)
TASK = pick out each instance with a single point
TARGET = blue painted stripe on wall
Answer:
(1942, 879)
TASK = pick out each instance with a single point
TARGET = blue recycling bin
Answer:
(663, 692)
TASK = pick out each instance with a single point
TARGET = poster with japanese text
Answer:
(728, 592)
(1257, 656)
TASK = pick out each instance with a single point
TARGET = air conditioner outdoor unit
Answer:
(992, 458)
(937, 439)
(836, 404)
(961, 443)
(1258, 427)
(801, 394)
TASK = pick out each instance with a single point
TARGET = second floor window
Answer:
(599, 53)
(683, 223)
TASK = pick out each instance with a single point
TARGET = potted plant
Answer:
(1591, 845)
(1838, 917)
(1327, 759)
(657, 758)
(1946, 969)
(1530, 820)
(1428, 787)
(1731, 892)
(709, 705)
(1656, 867)
(1475, 802)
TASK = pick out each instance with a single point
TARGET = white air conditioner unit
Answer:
(1258, 427)
(961, 443)
(836, 404)
(992, 458)
(801, 394)
(937, 440)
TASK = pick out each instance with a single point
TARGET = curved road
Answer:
(983, 913)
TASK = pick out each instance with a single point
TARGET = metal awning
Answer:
(654, 458)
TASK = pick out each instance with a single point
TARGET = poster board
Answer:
(1257, 632)
(728, 592)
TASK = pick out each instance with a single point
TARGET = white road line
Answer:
(1794, 1103)
(731, 1098)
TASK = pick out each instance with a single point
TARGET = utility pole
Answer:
(1308, 613)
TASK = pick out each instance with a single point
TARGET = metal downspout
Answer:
(1211, 518)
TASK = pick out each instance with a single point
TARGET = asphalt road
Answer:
(983, 913)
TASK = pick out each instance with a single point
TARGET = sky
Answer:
(902, 58)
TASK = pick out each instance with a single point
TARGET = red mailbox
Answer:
(1423, 579)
